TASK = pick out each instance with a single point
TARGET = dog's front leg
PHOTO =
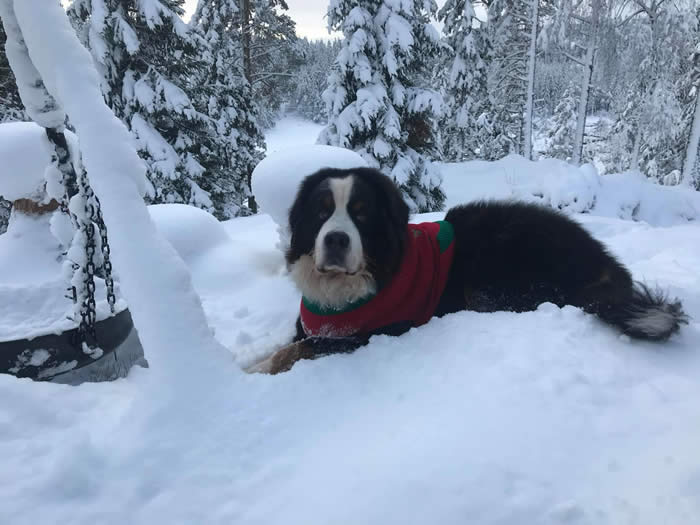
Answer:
(309, 348)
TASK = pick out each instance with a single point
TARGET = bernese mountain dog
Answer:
(364, 270)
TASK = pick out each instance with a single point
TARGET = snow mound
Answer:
(191, 231)
(25, 152)
(276, 178)
(573, 189)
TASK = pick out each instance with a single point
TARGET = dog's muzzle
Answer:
(336, 246)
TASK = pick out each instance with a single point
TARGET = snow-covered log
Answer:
(166, 310)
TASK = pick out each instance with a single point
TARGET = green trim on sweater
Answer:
(445, 236)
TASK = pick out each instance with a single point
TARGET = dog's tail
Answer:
(646, 314)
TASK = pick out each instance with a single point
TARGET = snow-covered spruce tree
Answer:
(10, 109)
(5, 209)
(691, 161)
(10, 104)
(310, 79)
(269, 53)
(577, 25)
(235, 143)
(147, 57)
(379, 100)
(507, 70)
(465, 125)
(649, 129)
(561, 134)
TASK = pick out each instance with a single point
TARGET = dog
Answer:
(364, 270)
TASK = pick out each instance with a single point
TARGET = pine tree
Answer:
(235, 144)
(561, 134)
(378, 98)
(506, 74)
(147, 57)
(649, 128)
(691, 164)
(11, 107)
(463, 71)
(270, 54)
(5, 209)
(310, 79)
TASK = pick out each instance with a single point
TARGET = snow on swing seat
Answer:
(32, 287)
(37, 338)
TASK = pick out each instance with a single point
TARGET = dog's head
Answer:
(348, 234)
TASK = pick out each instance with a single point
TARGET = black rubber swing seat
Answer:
(60, 357)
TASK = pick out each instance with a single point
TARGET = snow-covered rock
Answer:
(191, 231)
(276, 178)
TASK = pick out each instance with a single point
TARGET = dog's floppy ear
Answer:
(296, 212)
(396, 207)
(394, 218)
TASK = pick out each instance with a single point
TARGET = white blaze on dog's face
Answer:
(338, 246)
(347, 230)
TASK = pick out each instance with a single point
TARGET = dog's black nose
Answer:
(337, 241)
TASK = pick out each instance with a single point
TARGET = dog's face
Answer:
(348, 232)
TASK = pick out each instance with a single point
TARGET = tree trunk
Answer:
(636, 147)
(245, 40)
(586, 85)
(527, 128)
(691, 152)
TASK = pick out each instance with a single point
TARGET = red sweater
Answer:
(412, 295)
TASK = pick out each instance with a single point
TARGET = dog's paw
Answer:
(283, 359)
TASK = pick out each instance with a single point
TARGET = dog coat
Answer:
(412, 295)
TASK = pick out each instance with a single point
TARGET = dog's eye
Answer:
(359, 211)
(323, 214)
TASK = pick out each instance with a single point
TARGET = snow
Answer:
(290, 131)
(26, 152)
(547, 417)
(191, 231)
(32, 286)
(570, 188)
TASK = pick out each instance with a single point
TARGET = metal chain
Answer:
(77, 184)
(104, 244)
(88, 315)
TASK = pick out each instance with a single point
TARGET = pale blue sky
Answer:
(308, 14)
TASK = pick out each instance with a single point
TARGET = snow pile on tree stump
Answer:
(277, 178)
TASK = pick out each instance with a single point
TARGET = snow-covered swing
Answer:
(96, 340)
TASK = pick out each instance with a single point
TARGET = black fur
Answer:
(383, 229)
(508, 256)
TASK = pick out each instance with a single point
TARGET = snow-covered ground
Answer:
(548, 417)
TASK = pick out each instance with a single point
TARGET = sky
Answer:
(310, 16)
